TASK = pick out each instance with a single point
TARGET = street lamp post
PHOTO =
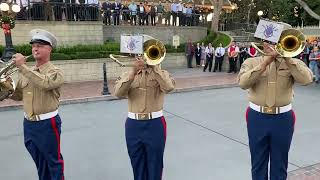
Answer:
(233, 7)
(7, 22)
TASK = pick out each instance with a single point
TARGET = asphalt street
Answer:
(206, 138)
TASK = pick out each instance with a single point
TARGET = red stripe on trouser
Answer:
(56, 132)
(164, 127)
(294, 118)
(247, 112)
(163, 121)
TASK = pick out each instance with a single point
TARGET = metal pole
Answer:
(9, 50)
(105, 81)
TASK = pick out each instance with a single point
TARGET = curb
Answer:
(112, 98)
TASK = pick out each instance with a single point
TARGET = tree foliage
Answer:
(288, 11)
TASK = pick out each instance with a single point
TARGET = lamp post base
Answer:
(105, 90)
(8, 53)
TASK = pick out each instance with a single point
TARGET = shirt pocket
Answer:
(152, 83)
(284, 79)
(135, 84)
(24, 83)
(284, 73)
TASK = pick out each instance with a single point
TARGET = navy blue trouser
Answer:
(270, 137)
(42, 140)
(146, 142)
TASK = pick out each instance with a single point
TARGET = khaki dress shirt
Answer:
(146, 91)
(39, 89)
(252, 77)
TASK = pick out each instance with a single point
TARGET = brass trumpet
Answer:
(5, 79)
(154, 52)
(291, 43)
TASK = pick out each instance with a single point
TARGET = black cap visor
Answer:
(40, 41)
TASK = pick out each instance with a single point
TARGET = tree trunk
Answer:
(307, 8)
(216, 14)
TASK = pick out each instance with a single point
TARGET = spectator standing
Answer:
(147, 10)
(106, 7)
(141, 14)
(233, 52)
(174, 12)
(252, 52)
(306, 53)
(219, 55)
(160, 11)
(209, 57)
(189, 16)
(198, 54)
(242, 54)
(313, 65)
(153, 14)
(167, 14)
(116, 12)
(189, 53)
(179, 8)
(203, 54)
(133, 8)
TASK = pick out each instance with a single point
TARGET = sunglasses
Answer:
(269, 42)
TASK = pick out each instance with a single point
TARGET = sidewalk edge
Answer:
(112, 98)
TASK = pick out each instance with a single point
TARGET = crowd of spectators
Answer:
(175, 13)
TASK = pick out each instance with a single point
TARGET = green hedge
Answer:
(216, 39)
(102, 51)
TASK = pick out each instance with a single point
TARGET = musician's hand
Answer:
(271, 56)
(138, 65)
(266, 61)
(7, 84)
(19, 59)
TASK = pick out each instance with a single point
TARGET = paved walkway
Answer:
(306, 173)
(186, 80)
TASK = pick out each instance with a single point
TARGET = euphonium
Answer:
(291, 43)
(7, 85)
(154, 52)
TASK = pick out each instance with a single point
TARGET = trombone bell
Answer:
(291, 43)
(154, 52)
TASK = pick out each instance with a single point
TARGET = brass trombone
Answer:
(154, 52)
(291, 43)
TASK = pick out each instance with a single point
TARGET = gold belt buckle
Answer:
(143, 116)
(269, 110)
(37, 118)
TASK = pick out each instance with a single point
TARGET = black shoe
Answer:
(214, 71)
(317, 82)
